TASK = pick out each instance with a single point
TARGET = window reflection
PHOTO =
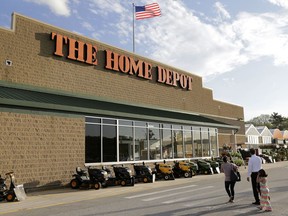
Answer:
(92, 143)
(126, 144)
(205, 142)
(154, 144)
(178, 143)
(165, 141)
(188, 144)
(109, 143)
(197, 142)
(141, 144)
(167, 150)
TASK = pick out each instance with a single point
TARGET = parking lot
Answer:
(206, 189)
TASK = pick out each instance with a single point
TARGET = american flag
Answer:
(147, 11)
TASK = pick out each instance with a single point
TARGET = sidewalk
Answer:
(41, 199)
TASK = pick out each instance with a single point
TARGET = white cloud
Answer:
(222, 12)
(107, 6)
(181, 39)
(59, 7)
(281, 3)
(263, 35)
(87, 26)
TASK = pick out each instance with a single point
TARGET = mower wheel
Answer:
(97, 186)
(166, 177)
(123, 183)
(74, 184)
(145, 179)
(186, 174)
(10, 197)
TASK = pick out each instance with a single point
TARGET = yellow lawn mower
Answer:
(163, 171)
(182, 169)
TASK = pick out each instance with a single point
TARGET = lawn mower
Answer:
(93, 178)
(163, 171)
(193, 167)
(143, 173)
(13, 192)
(215, 165)
(204, 167)
(182, 169)
(122, 176)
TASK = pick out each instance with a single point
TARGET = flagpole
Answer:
(133, 27)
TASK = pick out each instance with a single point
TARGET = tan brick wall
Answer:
(42, 150)
(31, 51)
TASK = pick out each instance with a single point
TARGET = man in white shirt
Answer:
(254, 165)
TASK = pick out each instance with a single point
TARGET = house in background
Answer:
(265, 135)
(285, 136)
(252, 136)
(277, 136)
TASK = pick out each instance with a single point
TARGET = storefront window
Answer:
(178, 142)
(206, 142)
(141, 144)
(109, 121)
(93, 143)
(112, 140)
(126, 144)
(154, 142)
(197, 142)
(109, 143)
(213, 140)
(188, 144)
(167, 150)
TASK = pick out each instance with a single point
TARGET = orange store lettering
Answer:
(87, 53)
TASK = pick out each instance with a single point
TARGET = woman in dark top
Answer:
(226, 168)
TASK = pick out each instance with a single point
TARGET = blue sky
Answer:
(239, 47)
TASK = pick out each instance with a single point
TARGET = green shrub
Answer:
(238, 162)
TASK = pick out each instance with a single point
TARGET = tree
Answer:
(277, 120)
(262, 120)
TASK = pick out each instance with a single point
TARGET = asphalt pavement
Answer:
(47, 198)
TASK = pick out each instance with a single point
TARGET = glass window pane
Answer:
(93, 120)
(92, 143)
(167, 151)
(126, 144)
(176, 127)
(109, 121)
(197, 143)
(188, 144)
(109, 143)
(213, 140)
(141, 144)
(154, 142)
(124, 122)
(178, 143)
(167, 126)
(140, 124)
(154, 125)
(205, 142)
(187, 128)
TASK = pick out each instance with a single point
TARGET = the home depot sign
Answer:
(87, 53)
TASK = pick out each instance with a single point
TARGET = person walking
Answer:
(264, 190)
(254, 165)
(226, 168)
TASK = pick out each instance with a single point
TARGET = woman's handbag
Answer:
(234, 175)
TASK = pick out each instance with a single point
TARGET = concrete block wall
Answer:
(42, 150)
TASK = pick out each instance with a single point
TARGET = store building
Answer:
(67, 100)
